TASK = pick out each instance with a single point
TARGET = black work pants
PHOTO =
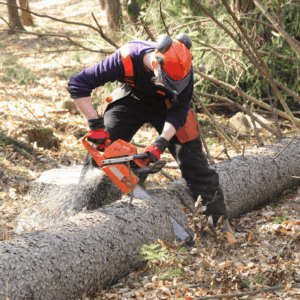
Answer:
(125, 117)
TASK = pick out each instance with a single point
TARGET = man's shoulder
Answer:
(138, 47)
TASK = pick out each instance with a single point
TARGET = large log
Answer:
(92, 248)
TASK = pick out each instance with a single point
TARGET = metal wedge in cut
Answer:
(180, 232)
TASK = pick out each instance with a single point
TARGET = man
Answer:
(157, 88)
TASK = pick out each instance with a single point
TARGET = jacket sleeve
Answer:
(108, 70)
(177, 114)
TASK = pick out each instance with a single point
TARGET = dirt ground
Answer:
(33, 94)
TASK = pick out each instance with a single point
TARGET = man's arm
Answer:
(168, 131)
(85, 106)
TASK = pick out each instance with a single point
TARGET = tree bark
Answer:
(13, 16)
(26, 16)
(133, 10)
(102, 4)
(241, 6)
(113, 12)
(91, 248)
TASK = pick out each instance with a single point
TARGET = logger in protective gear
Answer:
(166, 105)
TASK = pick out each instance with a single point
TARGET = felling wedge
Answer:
(115, 162)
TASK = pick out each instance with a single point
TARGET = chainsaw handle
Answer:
(141, 156)
(153, 168)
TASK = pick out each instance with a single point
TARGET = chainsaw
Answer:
(115, 162)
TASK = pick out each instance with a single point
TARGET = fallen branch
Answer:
(264, 53)
(24, 105)
(276, 288)
(286, 36)
(202, 138)
(162, 18)
(285, 147)
(104, 35)
(216, 49)
(221, 131)
(291, 93)
(18, 146)
(250, 98)
(260, 143)
(264, 70)
(239, 107)
(147, 30)
(67, 22)
(62, 36)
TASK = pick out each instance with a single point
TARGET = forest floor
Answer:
(34, 74)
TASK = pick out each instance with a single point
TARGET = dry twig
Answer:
(296, 136)
(221, 131)
(278, 27)
(162, 18)
(147, 30)
(264, 70)
(104, 35)
(67, 22)
(281, 287)
(250, 98)
(252, 119)
(239, 107)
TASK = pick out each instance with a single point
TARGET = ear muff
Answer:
(183, 38)
(164, 43)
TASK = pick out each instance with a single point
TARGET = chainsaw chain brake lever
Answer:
(154, 168)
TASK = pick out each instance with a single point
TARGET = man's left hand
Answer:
(155, 150)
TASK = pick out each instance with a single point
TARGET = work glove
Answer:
(155, 150)
(98, 135)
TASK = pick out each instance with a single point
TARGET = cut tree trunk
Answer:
(13, 16)
(26, 16)
(91, 248)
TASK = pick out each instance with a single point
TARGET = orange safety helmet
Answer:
(174, 62)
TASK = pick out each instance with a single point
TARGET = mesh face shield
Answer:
(175, 87)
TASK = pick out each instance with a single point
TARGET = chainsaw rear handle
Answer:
(154, 168)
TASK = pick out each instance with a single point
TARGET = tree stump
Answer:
(44, 138)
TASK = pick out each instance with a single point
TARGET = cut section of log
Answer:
(92, 248)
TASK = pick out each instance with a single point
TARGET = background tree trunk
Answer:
(102, 4)
(26, 16)
(133, 10)
(92, 248)
(113, 12)
(241, 6)
(13, 16)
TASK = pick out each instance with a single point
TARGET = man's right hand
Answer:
(98, 135)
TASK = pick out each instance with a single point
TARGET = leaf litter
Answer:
(267, 253)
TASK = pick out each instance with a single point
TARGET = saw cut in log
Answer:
(91, 248)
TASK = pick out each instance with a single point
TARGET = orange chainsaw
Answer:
(115, 162)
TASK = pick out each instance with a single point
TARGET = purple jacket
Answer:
(112, 69)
